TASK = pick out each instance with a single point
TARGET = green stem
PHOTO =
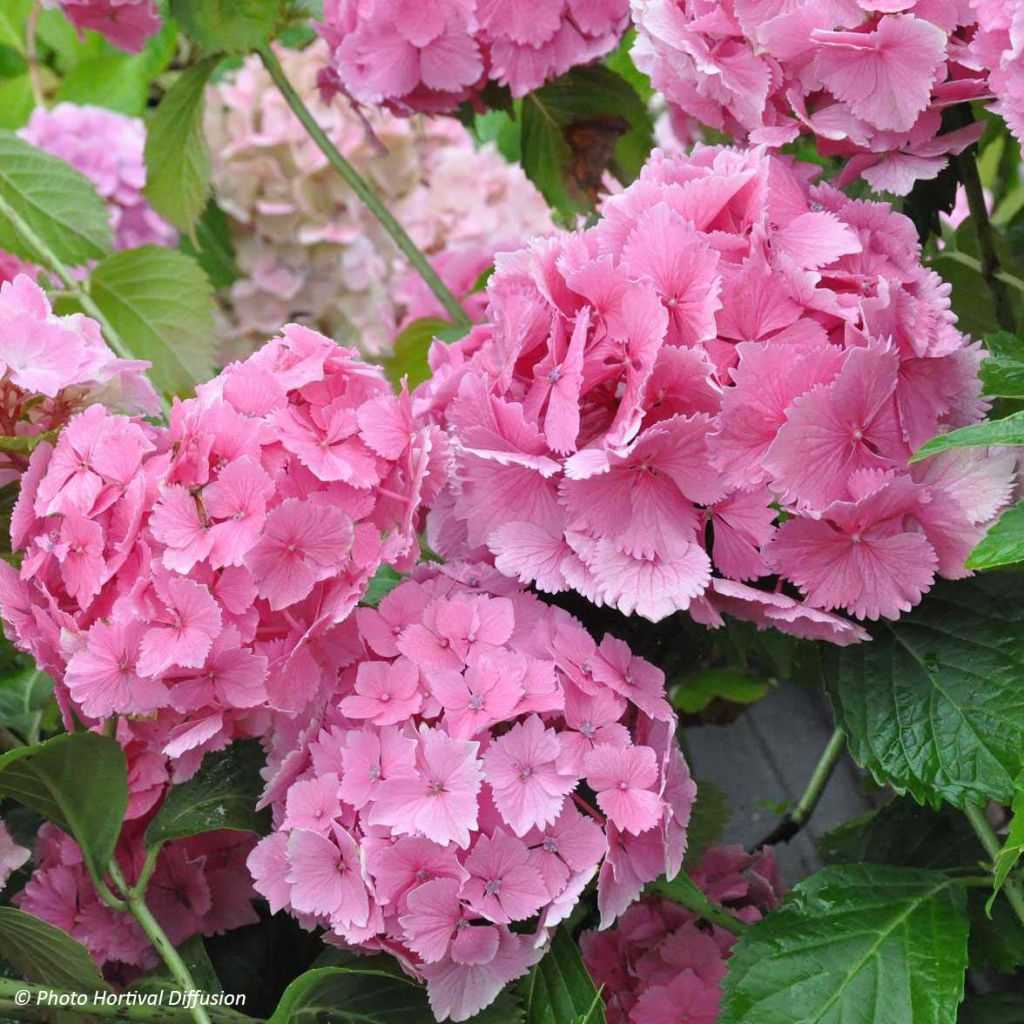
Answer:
(66, 278)
(42, 1003)
(794, 820)
(365, 193)
(990, 841)
(136, 904)
(684, 891)
(990, 264)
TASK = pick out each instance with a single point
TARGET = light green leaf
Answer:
(24, 443)
(16, 101)
(577, 127)
(860, 944)
(55, 201)
(1009, 431)
(177, 160)
(222, 795)
(409, 356)
(934, 705)
(88, 804)
(385, 580)
(46, 955)
(695, 692)
(13, 15)
(115, 82)
(1003, 544)
(1013, 847)
(162, 305)
(229, 26)
(372, 991)
(558, 990)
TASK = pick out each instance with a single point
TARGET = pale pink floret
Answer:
(502, 885)
(622, 780)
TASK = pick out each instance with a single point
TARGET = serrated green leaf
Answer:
(577, 127)
(222, 795)
(558, 990)
(177, 160)
(216, 251)
(162, 305)
(860, 944)
(409, 355)
(59, 205)
(229, 26)
(46, 955)
(1003, 544)
(1013, 846)
(1008, 431)
(933, 706)
(88, 805)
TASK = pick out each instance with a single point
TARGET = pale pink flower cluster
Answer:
(125, 23)
(434, 55)
(199, 886)
(193, 577)
(52, 367)
(998, 46)
(107, 148)
(481, 760)
(307, 248)
(868, 80)
(727, 344)
(661, 964)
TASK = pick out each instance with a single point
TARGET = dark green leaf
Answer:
(384, 581)
(216, 252)
(708, 819)
(409, 356)
(998, 1008)
(88, 804)
(579, 126)
(1002, 371)
(177, 160)
(229, 26)
(971, 297)
(222, 795)
(861, 944)
(934, 706)
(1003, 544)
(1009, 431)
(558, 990)
(162, 305)
(46, 955)
(55, 201)
(24, 697)
(1013, 846)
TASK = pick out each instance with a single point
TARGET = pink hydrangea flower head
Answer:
(707, 402)
(107, 148)
(449, 822)
(660, 961)
(442, 53)
(867, 81)
(125, 23)
(307, 248)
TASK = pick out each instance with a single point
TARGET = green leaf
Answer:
(1013, 848)
(222, 795)
(695, 692)
(229, 26)
(409, 356)
(46, 955)
(558, 989)
(23, 699)
(384, 581)
(161, 303)
(1009, 431)
(55, 201)
(13, 15)
(216, 251)
(1003, 544)
(79, 781)
(861, 944)
(708, 820)
(971, 297)
(177, 160)
(577, 127)
(997, 1008)
(26, 443)
(934, 706)
(1002, 371)
(16, 102)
